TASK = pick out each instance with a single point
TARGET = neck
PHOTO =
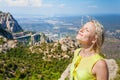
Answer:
(87, 49)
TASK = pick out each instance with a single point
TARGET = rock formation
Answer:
(9, 23)
(113, 68)
(6, 44)
(68, 44)
(5, 33)
(38, 38)
(43, 38)
(61, 49)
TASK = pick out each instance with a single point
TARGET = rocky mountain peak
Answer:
(8, 23)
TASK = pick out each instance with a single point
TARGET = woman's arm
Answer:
(100, 70)
(65, 73)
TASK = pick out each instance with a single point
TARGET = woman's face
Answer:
(86, 34)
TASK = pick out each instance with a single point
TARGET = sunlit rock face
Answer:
(8, 23)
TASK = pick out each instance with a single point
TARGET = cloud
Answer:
(36, 3)
(17, 2)
(61, 5)
(47, 5)
(92, 6)
(24, 3)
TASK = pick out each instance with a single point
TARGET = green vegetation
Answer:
(20, 64)
(1, 41)
(44, 62)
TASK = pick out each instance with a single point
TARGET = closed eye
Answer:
(87, 30)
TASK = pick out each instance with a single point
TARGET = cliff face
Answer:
(9, 23)
(5, 33)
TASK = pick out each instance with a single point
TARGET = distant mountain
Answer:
(8, 23)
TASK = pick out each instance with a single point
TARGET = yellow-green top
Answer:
(81, 67)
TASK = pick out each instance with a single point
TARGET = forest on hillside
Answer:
(21, 64)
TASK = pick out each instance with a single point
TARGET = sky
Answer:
(60, 7)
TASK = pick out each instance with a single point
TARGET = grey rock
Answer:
(5, 33)
(8, 23)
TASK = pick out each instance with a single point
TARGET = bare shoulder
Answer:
(100, 69)
(100, 66)
(101, 63)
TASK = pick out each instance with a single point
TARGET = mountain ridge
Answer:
(9, 23)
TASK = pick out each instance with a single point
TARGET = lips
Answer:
(80, 34)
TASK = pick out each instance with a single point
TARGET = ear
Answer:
(94, 40)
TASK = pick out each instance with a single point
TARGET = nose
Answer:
(81, 30)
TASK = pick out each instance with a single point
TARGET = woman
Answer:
(88, 64)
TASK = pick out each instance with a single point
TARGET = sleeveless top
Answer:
(81, 68)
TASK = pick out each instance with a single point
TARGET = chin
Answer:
(77, 37)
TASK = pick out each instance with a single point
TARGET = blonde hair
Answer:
(99, 35)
